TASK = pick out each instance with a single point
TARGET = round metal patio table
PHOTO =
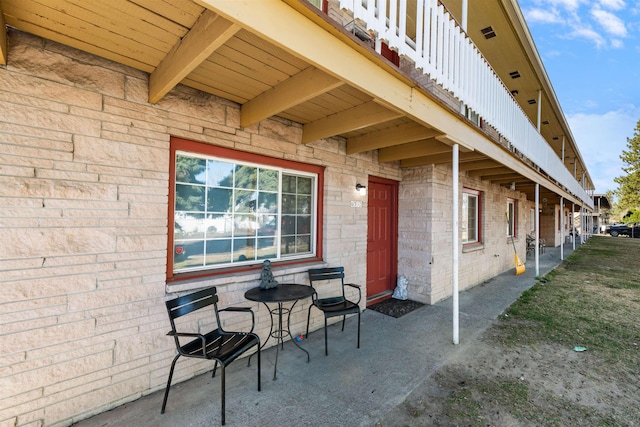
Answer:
(279, 295)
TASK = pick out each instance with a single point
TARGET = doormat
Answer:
(395, 307)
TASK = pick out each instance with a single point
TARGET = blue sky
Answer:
(591, 51)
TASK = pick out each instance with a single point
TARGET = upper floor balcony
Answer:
(428, 37)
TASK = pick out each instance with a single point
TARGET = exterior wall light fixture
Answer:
(361, 189)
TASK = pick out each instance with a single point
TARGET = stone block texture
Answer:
(84, 184)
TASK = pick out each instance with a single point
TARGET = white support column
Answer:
(539, 108)
(573, 228)
(465, 14)
(561, 228)
(537, 236)
(454, 219)
(580, 222)
(599, 215)
(582, 225)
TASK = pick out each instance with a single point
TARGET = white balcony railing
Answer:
(442, 50)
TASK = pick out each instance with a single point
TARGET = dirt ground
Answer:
(527, 369)
(546, 385)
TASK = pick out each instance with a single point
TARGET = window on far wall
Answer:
(532, 220)
(511, 218)
(471, 214)
(233, 209)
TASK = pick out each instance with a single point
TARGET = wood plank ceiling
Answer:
(183, 42)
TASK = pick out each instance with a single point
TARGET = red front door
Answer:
(381, 237)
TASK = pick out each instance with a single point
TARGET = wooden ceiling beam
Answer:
(396, 135)
(451, 141)
(544, 192)
(425, 147)
(3, 40)
(499, 176)
(482, 164)
(491, 171)
(520, 180)
(531, 185)
(361, 116)
(301, 87)
(474, 156)
(208, 33)
(440, 159)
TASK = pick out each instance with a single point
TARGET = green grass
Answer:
(590, 300)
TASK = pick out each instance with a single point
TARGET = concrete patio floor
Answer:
(350, 387)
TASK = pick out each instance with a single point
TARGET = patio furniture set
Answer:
(223, 347)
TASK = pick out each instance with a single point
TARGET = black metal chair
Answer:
(531, 244)
(335, 305)
(219, 345)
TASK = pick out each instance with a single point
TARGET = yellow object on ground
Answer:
(520, 268)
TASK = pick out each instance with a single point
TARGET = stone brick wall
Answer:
(415, 240)
(84, 176)
(83, 210)
(425, 244)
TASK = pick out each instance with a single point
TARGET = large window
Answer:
(471, 208)
(233, 209)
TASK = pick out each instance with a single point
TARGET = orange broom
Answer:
(520, 268)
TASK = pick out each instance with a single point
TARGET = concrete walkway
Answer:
(350, 387)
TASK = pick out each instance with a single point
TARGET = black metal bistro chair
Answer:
(333, 305)
(531, 244)
(219, 345)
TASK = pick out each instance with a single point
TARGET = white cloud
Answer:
(612, 4)
(542, 16)
(579, 19)
(571, 5)
(601, 139)
(589, 34)
(553, 6)
(615, 43)
(590, 103)
(609, 22)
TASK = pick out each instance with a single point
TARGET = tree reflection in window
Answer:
(227, 212)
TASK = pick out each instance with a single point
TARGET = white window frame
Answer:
(532, 220)
(468, 194)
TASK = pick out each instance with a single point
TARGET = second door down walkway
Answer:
(350, 387)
